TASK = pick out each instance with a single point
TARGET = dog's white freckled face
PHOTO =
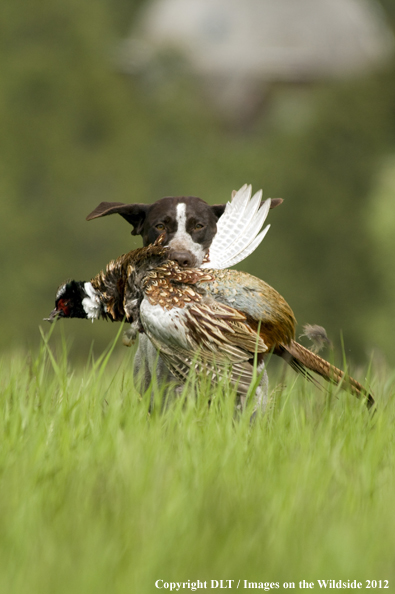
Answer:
(187, 223)
(182, 240)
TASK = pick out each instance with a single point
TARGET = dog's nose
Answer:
(183, 258)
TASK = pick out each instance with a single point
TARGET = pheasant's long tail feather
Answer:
(303, 361)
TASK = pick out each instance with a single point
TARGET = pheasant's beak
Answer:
(52, 316)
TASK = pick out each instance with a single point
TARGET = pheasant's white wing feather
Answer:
(247, 234)
(245, 224)
(231, 223)
(239, 249)
(248, 250)
(238, 229)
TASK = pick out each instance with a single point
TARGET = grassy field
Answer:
(98, 496)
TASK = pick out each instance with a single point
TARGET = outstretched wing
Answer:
(212, 338)
(238, 229)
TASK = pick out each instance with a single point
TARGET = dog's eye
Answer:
(199, 226)
(160, 227)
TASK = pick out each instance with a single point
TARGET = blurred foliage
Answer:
(75, 131)
(389, 9)
(380, 223)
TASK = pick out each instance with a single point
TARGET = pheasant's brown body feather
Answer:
(212, 320)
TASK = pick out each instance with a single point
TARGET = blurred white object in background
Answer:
(239, 46)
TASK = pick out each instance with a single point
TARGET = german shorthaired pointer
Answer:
(189, 225)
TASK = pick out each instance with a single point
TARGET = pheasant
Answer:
(229, 233)
(215, 321)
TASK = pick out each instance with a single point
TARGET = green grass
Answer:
(98, 496)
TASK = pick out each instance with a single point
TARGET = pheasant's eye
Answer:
(160, 227)
(199, 226)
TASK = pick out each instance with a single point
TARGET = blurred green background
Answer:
(76, 131)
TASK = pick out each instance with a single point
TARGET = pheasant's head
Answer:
(75, 299)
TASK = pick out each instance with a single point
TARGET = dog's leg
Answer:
(150, 370)
(141, 367)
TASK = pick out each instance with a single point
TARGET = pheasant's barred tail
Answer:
(304, 361)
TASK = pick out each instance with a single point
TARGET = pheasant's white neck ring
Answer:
(91, 303)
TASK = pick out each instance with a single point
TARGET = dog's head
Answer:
(188, 224)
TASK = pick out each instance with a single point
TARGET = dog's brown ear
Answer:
(276, 202)
(134, 214)
(218, 209)
(105, 208)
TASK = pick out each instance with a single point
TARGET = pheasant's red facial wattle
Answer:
(63, 305)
